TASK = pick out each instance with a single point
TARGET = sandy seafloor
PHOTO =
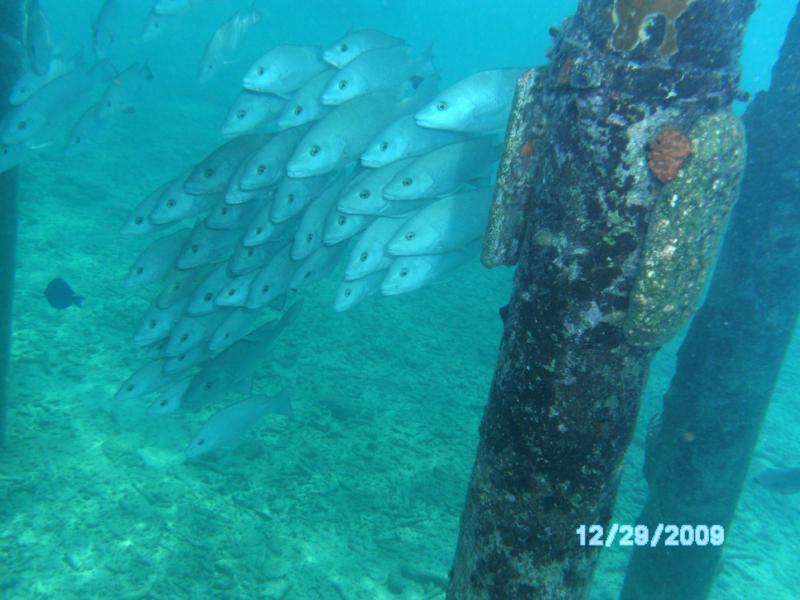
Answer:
(357, 497)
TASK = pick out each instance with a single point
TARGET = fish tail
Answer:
(78, 300)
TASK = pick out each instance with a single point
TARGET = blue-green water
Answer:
(359, 495)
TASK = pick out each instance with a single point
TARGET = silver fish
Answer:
(38, 46)
(106, 27)
(138, 222)
(351, 293)
(272, 281)
(235, 326)
(317, 266)
(226, 41)
(190, 331)
(30, 82)
(251, 258)
(445, 225)
(233, 368)
(226, 427)
(211, 175)
(442, 171)
(174, 203)
(480, 102)
(180, 284)
(11, 156)
(312, 224)
(343, 134)
(169, 400)
(236, 195)
(356, 43)
(148, 378)
(403, 138)
(340, 226)
(305, 105)
(203, 295)
(207, 246)
(192, 357)
(233, 216)
(381, 69)
(265, 167)
(284, 69)
(157, 322)
(364, 195)
(249, 111)
(157, 259)
(235, 292)
(262, 229)
(26, 120)
(123, 91)
(87, 132)
(409, 273)
(154, 26)
(293, 195)
(369, 252)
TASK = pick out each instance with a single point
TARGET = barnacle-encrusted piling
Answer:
(9, 69)
(699, 452)
(576, 177)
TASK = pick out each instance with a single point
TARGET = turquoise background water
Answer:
(357, 497)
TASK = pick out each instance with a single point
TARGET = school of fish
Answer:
(348, 161)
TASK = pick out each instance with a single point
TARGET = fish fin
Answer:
(148, 72)
(279, 303)
(480, 181)
(12, 43)
(78, 300)
(290, 315)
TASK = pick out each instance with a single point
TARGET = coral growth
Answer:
(667, 154)
(631, 15)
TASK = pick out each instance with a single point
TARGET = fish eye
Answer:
(407, 181)
(307, 274)
(209, 172)
(195, 248)
(152, 324)
(251, 251)
(264, 289)
(184, 337)
(261, 70)
(241, 114)
(403, 272)
(441, 105)
(342, 84)
(231, 292)
(364, 256)
(261, 169)
(22, 125)
(290, 198)
(208, 297)
(310, 238)
(341, 220)
(108, 103)
(314, 150)
(77, 139)
(347, 292)
(130, 387)
(259, 230)
(201, 442)
(138, 220)
(343, 48)
(384, 146)
(298, 109)
(224, 210)
(364, 194)
(139, 270)
(181, 356)
(410, 235)
(171, 203)
(227, 334)
(208, 385)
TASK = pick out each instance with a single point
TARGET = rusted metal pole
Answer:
(9, 69)
(622, 161)
(699, 450)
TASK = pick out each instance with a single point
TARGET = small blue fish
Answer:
(60, 295)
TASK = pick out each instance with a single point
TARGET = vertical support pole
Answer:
(10, 11)
(622, 161)
(699, 451)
